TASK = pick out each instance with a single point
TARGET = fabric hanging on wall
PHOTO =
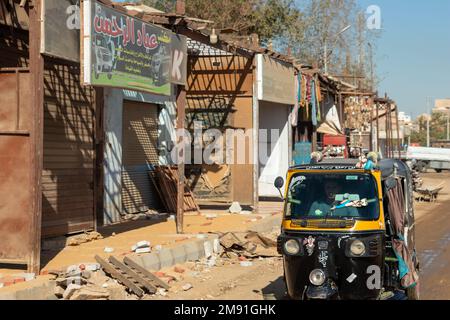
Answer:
(318, 92)
(318, 95)
(308, 90)
(303, 91)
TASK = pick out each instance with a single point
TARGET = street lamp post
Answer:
(428, 121)
(325, 48)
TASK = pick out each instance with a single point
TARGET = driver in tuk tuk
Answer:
(328, 206)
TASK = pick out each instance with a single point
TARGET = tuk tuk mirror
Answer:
(279, 183)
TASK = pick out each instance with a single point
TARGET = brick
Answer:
(179, 254)
(159, 274)
(26, 276)
(90, 293)
(192, 251)
(149, 261)
(7, 281)
(201, 247)
(166, 258)
(19, 280)
(217, 248)
(178, 269)
(70, 290)
(208, 248)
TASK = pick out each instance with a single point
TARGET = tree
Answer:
(438, 127)
(303, 26)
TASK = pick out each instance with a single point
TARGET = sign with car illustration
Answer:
(124, 52)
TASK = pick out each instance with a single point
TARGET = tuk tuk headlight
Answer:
(317, 277)
(358, 248)
(292, 247)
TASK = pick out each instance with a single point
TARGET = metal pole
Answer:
(398, 132)
(371, 124)
(448, 125)
(181, 106)
(378, 126)
(428, 122)
(255, 140)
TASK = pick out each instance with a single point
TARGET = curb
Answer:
(267, 224)
(195, 250)
(43, 289)
(190, 251)
(39, 289)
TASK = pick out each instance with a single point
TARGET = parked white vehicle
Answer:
(423, 158)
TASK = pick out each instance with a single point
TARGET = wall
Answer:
(220, 94)
(273, 116)
(112, 206)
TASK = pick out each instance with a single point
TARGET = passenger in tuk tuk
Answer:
(327, 206)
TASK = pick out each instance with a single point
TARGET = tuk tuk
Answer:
(348, 231)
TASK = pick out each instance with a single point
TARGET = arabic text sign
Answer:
(121, 51)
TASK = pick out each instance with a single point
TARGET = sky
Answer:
(412, 55)
(413, 52)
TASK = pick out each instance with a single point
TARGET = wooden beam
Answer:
(371, 124)
(398, 131)
(156, 281)
(37, 75)
(378, 126)
(181, 106)
(130, 272)
(110, 269)
(220, 45)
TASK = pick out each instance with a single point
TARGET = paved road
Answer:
(433, 239)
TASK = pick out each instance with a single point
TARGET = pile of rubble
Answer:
(123, 278)
(86, 282)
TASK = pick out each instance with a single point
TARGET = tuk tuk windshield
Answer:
(332, 196)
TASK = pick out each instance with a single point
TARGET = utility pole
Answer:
(448, 124)
(428, 121)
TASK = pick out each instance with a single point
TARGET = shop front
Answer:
(276, 98)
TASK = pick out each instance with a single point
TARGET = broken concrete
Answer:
(90, 293)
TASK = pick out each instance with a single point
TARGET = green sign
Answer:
(124, 52)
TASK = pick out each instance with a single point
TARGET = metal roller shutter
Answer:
(68, 171)
(140, 152)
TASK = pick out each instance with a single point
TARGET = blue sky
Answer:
(413, 52)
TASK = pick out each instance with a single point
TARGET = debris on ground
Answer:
(187, 287)
(165, 181)
(248, 244)
(141, 247)
(178, 269)
(108, 250)
(83, 238)
(235, 208)
(246, 263)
